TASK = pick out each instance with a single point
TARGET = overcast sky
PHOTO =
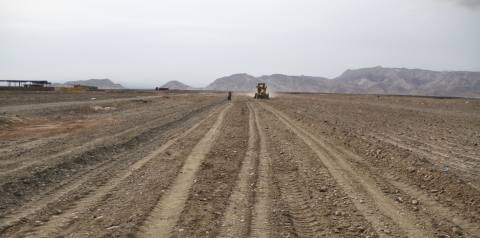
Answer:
(141, 43)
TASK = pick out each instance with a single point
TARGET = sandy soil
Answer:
(139, 164)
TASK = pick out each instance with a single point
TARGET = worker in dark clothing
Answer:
(229, 97)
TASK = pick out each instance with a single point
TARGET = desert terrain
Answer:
(192, 164)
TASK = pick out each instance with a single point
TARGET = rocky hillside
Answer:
(100, 83)
(275, 82)
(376, 80)
(409, 81)
(176, 85)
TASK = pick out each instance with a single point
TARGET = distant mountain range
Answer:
(376, 80)
(100, 83)
(176, 85)
(275, 82)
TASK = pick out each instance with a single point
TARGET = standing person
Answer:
(229, 97)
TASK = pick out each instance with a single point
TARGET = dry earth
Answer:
(142, 164)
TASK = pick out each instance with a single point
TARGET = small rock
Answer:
(323, 189)
(387, 231)
(113, 227)
(414, 202)
(457, 231)
(181, 230)
(399, 199)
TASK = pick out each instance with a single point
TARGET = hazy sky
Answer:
(141, 43)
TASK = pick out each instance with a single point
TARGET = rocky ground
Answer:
(143, 164)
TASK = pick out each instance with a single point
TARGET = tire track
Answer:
(425, 199)
(467, 169)
(299, 204)
(356, 184)
(237, 218)
(292, 184)
(313, 203)
(165, 215)
(438, 209)
(261, 223)
(431, 210)
(27, 163)
(124, 110)
(57, 222)
(55, 173)
(59, 195)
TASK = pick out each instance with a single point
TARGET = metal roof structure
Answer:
(25, 82)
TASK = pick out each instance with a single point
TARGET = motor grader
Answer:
(261, 91)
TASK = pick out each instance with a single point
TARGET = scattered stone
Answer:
(414, 202)
(113, 227)
(339, 213)
(323, 189)
(457, 231)
(399, 199)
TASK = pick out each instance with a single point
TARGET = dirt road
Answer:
(196, 165)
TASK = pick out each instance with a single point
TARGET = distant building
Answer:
(31, 85)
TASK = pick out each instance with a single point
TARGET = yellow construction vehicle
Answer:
(261, 91)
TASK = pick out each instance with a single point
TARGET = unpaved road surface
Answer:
(142, 164)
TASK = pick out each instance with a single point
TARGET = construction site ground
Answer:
(144, 164)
